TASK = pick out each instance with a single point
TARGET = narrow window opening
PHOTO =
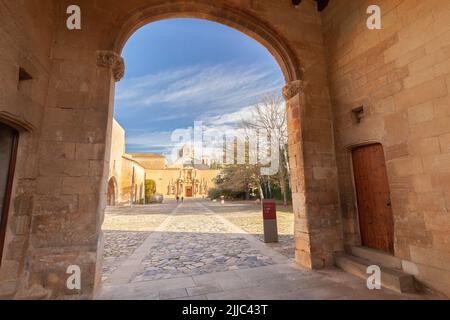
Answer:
(24, 75)
(358, 114)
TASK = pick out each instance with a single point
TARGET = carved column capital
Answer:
(293, 88)
(113, 61)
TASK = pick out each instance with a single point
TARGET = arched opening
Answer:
(8, 153)
(188, 183)
(112, 192)
(225, 15)
(185, 186)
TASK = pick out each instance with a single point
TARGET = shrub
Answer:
(150, 190)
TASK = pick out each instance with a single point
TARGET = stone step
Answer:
(390, 278)
(382, 258)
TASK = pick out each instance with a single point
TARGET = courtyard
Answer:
(199, 250)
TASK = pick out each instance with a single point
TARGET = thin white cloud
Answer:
(219, 95)
(228, 119)
(220, 86)
(216, 126)
(145, 141)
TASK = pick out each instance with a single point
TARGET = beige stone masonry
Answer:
(332, 64)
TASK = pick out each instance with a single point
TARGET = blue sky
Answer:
(183, 70)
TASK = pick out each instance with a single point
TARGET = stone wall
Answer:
(67, 211)
(150, 161)
(163, 178)
(116, 157)
(401, 75)
(26, 33)
(131, 188)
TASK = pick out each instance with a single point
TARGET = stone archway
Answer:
(307, 204)
(77, 126)
(313, 169)
(63, 106)
(229, 16)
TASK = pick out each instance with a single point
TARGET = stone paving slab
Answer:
(195, 242)
(126, 228)
(147, 289)
(184, 254)
(226, 263)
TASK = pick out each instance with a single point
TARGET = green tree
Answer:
(240, 179)
(150, 190)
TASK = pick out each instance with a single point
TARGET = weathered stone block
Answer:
(86, 151)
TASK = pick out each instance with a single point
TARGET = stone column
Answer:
(73, 167)
(110, 69)
(313, 179)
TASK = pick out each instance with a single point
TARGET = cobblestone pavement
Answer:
(197, 242)
(126, 228)
(248, 216)
(192, 252)
(119, 245)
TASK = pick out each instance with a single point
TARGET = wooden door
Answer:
(189, 192)
(8, 151)
(111, 193)
(374, 204)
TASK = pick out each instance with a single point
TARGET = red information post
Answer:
(270, 221)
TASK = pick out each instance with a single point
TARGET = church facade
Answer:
(187, 177)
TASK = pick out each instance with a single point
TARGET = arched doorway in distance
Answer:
(111, 198)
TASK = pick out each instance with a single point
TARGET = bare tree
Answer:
(241, 174)
(238, 178)
(269, 117)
